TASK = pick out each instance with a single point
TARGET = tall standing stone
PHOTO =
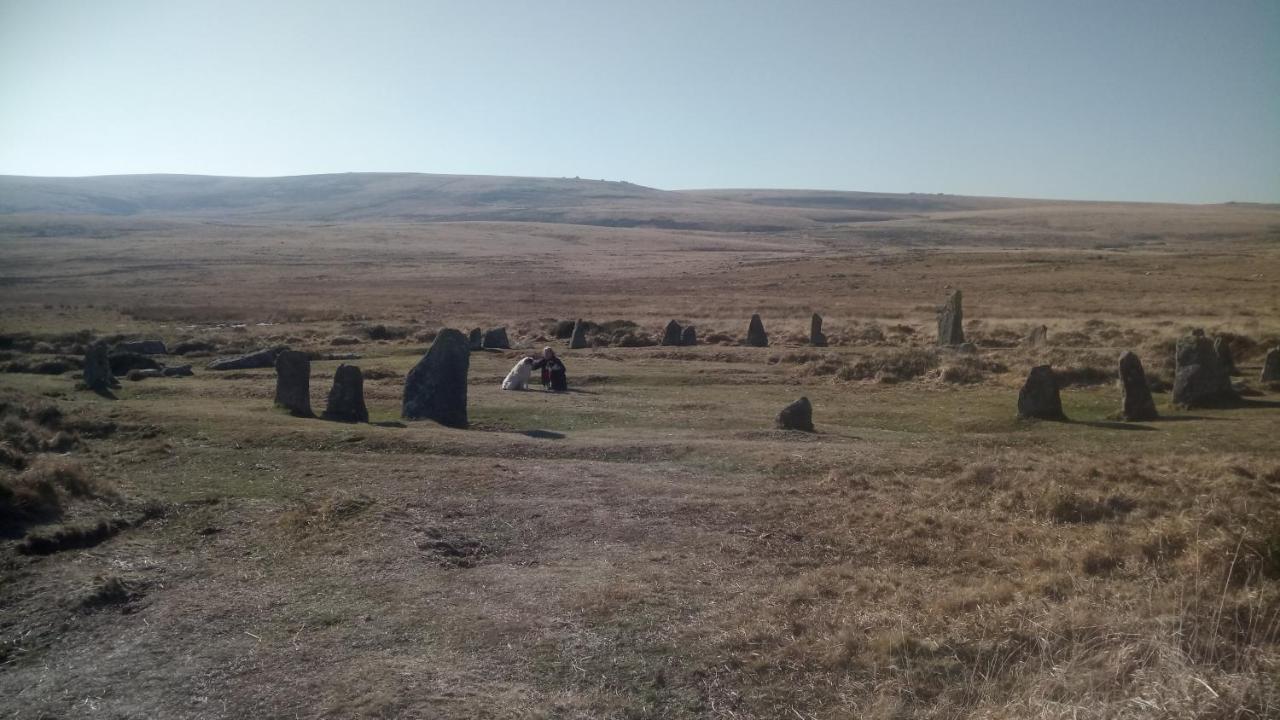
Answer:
(97, 369)
(346, 397)
(796, 416)
(1223, 350)
(1137, 403)
(1201, 381)
(1039, 396)
(816, 338)
(1271, 366)
(689, 336)
(496, 339)
(436, 388)
(951, 321)
(476, 340)
(578, 340)
(293, 382)
(671, 334)
(756, 336)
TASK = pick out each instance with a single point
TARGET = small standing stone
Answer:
(1137, 403)
(476, 340)
(951, 321)
(1039, 396)
(816, 338)
(1225, 359)
(293, 383)
(496, 339)
(1038, 336)
(346, 398)
(578, 340)
(436, 388)
(689, 336)
(97, 369)
(1271, 366)
(756, 336)
(671, 334)
(797, 416)
(1201, 381)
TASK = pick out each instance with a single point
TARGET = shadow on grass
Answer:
(1109, 425)
(543, 434)
(389, 423)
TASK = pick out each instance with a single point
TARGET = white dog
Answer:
(518, 378)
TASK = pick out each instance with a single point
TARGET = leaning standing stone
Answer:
(346, 398)
(756, 336)
(689, 336)
(436, 388)
(816, 338)
(1225, 359)
(97, 369)
(796, 416)
(578, 340)
(1201, 381)
(476, 340)
(671, 334)
(496, 339)
(951, 321)
(1039, 396)
(293, 382)
(1137, 403)
(1271, 366)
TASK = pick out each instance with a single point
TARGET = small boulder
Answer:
(496, 339)
(436, 388)
(816, 338)
(97, 369)
(1271, 366)
(1137, 403)
(578, 338)
(796, 416)
(476, 339)
(346, 398)
(1039, 396)
(178, 371)
(256, 359)
(689, 336)
(293, 383)
(951, 321)
(1200, 379)
(756, 336)
(671, 334)
(142, 347)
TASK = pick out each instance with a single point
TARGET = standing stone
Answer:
(1225, 359)
(496, 339)
(476, 340)
(97, 369)
(671, 335)
(436, 388)
(816, 338)
(689, 336)
(1137, 403)
(1201, 381)
(796, 416)
(346, 398)
(1039, 396)
(578, 340)
(756, 336)
(951, 321)
(293, 383)
(1271, 366)
(1038, 336)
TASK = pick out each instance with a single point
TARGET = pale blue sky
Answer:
(1116, 99)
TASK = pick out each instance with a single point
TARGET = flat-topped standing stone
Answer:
(97, 369)
(1271, 366)
(951, 321)
(797, 416)
(346, 397)
(496, 339)
(1039, 396)
(1137, 403)
(476, 339)
(436, 388)
(756, 336)
(293, 383)
(689, 336)
(1201, 381)
(578, 340)
(816, 338)
(1225, 359)
(671, 334)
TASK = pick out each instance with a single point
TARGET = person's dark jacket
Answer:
(553, 373)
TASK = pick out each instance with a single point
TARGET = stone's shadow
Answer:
(543, 434)
(582, 392)
(1184, 418)
(1110, 425)
(1248, 404)
(385, 423)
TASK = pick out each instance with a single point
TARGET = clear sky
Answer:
(1091, 99)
